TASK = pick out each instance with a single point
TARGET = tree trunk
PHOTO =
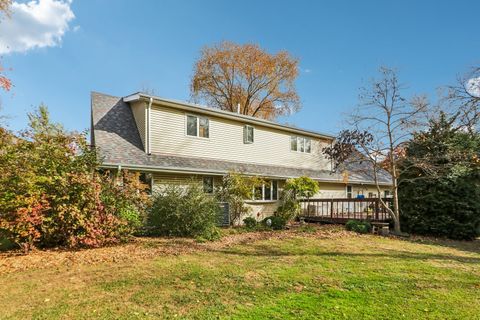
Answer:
(396, 209)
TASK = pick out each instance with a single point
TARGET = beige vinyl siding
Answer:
(162, 180)
(138, 109)
(271, 146)
(330, 190)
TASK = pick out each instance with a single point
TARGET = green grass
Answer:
(302, 277)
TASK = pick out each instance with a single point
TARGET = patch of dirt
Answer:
(147, 248)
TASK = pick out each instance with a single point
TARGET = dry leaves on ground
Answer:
(147, 248)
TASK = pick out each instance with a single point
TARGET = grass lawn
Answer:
(321, 274)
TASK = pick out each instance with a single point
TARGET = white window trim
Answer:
(198, 126)
(244, 136)
(263, 193)
(298, 144)
(351, 192)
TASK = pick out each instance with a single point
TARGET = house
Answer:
(175, 142)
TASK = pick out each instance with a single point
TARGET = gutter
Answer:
(219, 173)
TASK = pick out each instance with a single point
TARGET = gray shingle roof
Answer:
(116, 136)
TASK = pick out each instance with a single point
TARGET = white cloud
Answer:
(35, 24)
(473, 87)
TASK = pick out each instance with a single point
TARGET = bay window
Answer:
(267, 191)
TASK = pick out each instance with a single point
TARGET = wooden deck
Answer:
(340, 210)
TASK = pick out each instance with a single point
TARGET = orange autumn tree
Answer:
(5, 82)
(246, 79)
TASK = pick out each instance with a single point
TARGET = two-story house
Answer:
(177, 142)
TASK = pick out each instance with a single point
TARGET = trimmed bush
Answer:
(250, 223)
(276, 222)
(358, 226)
(183, 212)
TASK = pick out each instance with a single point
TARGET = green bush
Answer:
(250, 223)
(358, 226)
(301, 187)
(276, 222)
(183, 212)
(289, 207)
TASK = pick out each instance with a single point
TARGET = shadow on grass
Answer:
(269, 251)
(466, 246)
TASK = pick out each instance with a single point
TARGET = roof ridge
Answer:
(103, 94)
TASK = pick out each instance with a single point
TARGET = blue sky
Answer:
(119, 46)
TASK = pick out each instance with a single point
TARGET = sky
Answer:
(57, 51)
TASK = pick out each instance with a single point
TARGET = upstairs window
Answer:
(300, 144)
(198, 126)
(248, 133)
(293, 143)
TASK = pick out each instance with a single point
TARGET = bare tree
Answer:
(381, 123)
(463, 99)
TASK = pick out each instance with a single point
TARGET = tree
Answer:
(246, 79)
(5, 6)
(303, 187)
(380, 125)
(440, 181)
(464, 99)
(5, 82)
(235, 189)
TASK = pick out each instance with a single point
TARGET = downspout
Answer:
(148, 146)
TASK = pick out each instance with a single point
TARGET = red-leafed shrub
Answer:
(53, 195)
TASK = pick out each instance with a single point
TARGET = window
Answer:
(386, 193)
(301, 144)
(266, 192)
(308, 146)
(192, 125)
(247, 134)
(146, 178)
(349, 192)
(293, 143)
(198, 126)
(370, 195)
(208, 184)
(274, 190)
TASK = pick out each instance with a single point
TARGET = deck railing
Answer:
(342, 209)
